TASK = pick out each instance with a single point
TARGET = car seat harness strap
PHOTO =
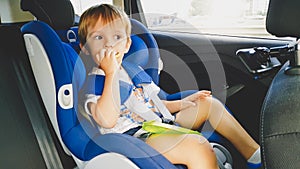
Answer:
(141, 79)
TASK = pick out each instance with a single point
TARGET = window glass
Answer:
(81, 5)
(227, 17)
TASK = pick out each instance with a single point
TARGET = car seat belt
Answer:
(142, 110)
(140, 78)
(152, 90)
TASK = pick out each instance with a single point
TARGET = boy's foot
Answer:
(255, 160)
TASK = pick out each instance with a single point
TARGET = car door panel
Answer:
(180, 46)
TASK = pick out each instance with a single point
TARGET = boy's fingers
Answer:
(206, 91)
(102, 54)
(98, 58)
(109, 53)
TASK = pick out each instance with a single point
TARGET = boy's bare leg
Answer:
(221, 120)
(194, 151)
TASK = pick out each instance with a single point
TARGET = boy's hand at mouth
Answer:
(108, 60)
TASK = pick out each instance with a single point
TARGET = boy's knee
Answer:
(201, 148)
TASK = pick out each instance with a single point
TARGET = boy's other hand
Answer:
(198, 95)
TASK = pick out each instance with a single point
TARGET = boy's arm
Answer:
(107, 109)
(177, 105)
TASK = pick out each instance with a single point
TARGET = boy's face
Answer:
(107, 37)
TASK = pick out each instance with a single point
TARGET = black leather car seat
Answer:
(280, 115)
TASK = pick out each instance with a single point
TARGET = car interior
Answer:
(43, 75)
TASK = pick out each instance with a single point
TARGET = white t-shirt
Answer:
(127, 119)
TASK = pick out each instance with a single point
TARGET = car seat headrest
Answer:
(59, 14)
(282, 18)
(138, 52)
(68, 64)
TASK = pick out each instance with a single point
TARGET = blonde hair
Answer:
(108, 13)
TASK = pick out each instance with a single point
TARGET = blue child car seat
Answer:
(60, 75)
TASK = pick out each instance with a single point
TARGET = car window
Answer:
(81, 5)
(230, 17)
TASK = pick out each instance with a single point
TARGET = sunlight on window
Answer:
(227, 17)
(227, 9)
